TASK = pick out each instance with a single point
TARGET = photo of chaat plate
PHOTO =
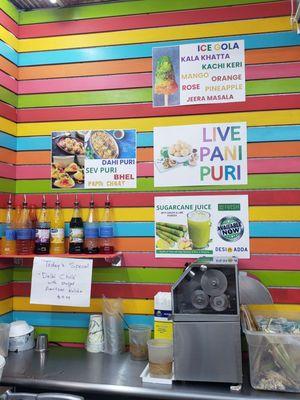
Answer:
(103, 145)
(64, 181)
(70, 145)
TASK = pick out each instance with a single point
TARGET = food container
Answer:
(160, 358)
(21, 336)
(274, 357)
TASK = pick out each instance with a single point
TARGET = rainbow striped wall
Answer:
(90, 67)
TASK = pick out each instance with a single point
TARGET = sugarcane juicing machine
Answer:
(205, 308)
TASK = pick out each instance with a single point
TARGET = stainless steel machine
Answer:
(205, 308)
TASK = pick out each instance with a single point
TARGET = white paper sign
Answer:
(200, 73)
(200, 155)
(61, 281)
(194, 226)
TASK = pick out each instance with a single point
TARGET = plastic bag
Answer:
(113, 326)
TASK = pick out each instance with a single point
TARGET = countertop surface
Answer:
(77, 371)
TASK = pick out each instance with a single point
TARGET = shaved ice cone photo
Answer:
(165, 68)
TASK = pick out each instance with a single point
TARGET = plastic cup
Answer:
(160, 358)
(2, 365)
(4, 339)
(138, 338)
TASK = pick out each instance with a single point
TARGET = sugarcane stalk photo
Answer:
(179, 227)
(168, 235)
(173, 231)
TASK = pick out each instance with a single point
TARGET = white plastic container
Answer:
(21, 336)
(2, 365)
(163, 325)
(274, 357)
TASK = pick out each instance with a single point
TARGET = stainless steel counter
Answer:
(77, 371)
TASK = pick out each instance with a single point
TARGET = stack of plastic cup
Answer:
(95, 338)
(4, 339)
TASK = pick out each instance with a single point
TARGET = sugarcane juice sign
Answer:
(199, 155)
(193, 226)
(199, 73)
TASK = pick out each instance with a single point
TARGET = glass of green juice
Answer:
(199, 228)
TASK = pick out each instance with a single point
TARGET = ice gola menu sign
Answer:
(193, 226)
(197, 155)
(199, 73)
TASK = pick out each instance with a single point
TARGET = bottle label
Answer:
(23, 234)
(106, 231)
(42, 235)
(10, 234)
(90, 232)
(76, 235)
(57, 235)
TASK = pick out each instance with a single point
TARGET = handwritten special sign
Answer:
(199, 155)
(200, 73)
(61, 281)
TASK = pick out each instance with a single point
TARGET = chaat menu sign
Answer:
(94, 159)
(197, 226)
(199, 73)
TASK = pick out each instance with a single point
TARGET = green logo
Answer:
(229, 207)
(230, 229)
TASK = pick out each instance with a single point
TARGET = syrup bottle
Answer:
(8, 242)
(42, 230)
(57, 232)
(107, 230)
(76, 230)
(23, 230)
(91, 230)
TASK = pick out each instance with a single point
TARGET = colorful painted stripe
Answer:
(130, 306)
(259, 134)
(285, 295)
(125, 81)
(255, 181)
(261, 56)
(187, 17)
(255, 118)
(257, 229)
(159, 275)
(255, 166)
(270, 198)
(8, 67)
(133, 259)
(116, 52)
(11, 25)
(123, 9)
(110, 290)
(53, 114)
(67, 320)
(255, 150)
(157, 34)
(282, 213)
(144, 95)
